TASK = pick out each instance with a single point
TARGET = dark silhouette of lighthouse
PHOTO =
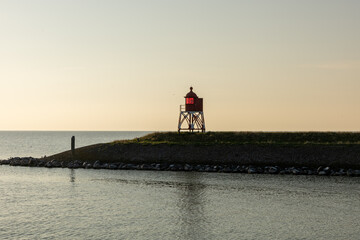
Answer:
(191, 114)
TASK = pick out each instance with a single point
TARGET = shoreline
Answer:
(248, 169)
(308, 153)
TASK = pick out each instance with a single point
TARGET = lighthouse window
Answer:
(189, 101)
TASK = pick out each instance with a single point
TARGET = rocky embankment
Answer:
(309, 153)
(250, 169)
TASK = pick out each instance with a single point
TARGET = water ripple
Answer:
(84, 204)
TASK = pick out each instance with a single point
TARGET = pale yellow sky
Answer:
(126, 65)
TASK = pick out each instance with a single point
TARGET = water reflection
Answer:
(190, 204)
(191, 207)
(72, 175)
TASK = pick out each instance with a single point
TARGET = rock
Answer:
(217, 168)
(322, 173)
(153, 166)
(32, 163)
(237, 169)
(336, 173)
(41, 164)
(157, 167)
(251, 170)
(227, 169)
(121, 166)
(24, 162)
(198, 168)
(97, 165)
(209, 168)
(164, 166)
(14, 161)
(188, 167)
(112, 166)
(287, 170)
(350, 172)
(77, 164)
(175, 167)
(145, 167)
(180, 167)
(55, 163)
(327, 170)
(172, 167)
(243, 169)
(273, 170)
(105, 166)
(296, 171)
(131, 166)
(5, 162)
(310, 172)
(48, 165)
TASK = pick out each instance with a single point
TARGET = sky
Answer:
(280, 65)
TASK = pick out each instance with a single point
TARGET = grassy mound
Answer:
(340, 149)
(282, 138)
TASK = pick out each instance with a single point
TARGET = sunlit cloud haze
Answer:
(127, 65)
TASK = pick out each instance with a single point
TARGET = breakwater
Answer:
(250, 169)
(345, 156)
(251, 152)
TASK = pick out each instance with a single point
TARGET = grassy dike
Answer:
(312, 149)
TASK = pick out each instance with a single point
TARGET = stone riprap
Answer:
(250, 169)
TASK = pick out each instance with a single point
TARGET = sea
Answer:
(46, 143)
(42, 203)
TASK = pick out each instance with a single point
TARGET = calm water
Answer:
(40, 143)
(41, 203)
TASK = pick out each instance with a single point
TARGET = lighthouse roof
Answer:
(191, 94)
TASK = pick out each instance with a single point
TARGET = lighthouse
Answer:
(191, 114)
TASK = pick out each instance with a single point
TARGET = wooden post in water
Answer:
(73, 146)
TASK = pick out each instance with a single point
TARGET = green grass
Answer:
(268, 138)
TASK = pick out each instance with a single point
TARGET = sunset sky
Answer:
(127, 65)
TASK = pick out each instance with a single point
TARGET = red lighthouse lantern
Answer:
(193, 113)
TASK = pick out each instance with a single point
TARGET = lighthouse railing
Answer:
(182, 108)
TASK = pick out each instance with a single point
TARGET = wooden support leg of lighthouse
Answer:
(202, 122)
(191, 125)
(184, 116)
(179, 123)
(199, 121)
